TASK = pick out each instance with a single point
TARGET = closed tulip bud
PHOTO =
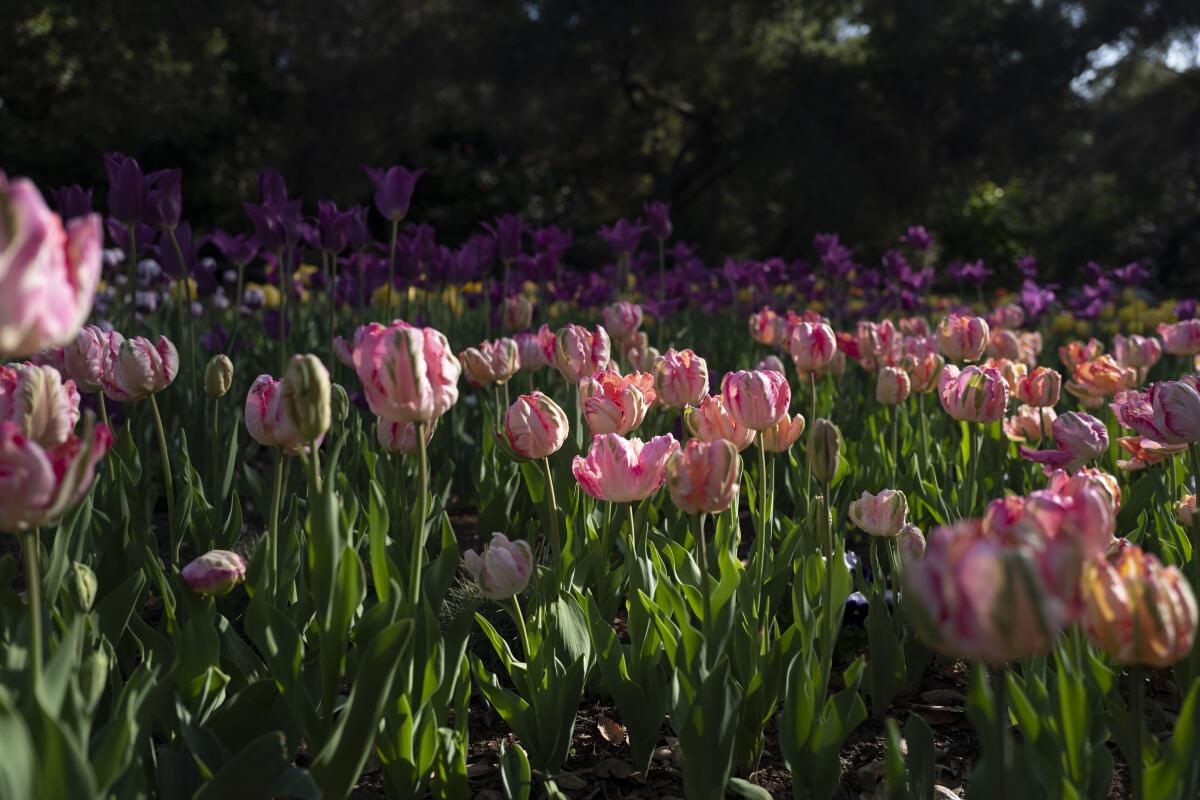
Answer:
(503, 570)
(142, 368)
(1138, 611)
(1004, 344)
(811, 346)
(400, 437)
(517, 313)
(93, 678)
(756, 399)
(1185, 510)
(306, 392)
(82, 587)
(771, 363)
(215, 573)
(963, 338)
(765, 327)
(710, 421)
(579, 352)
(1142, 352)
(1040, 387)
(339, 402)
(535, 350)
(1181, 338)
(40, 484)
(218, 375)
(883, 514)
(1013, 372)
(892, 386)
(702, 477)
(268, 420)
(36, 400)
(491, 363)
(1009, 315)
(88, 357)
(622, 319)
(623, 470)
(782, 435)
(1079, 438)
(408, 374)
(680, 378)
(824, 449)
(973, 394)
(534, 426)
(914, 326)
(924, 369)
(911, 543)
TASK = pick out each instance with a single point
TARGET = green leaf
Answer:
(251, 773)
(515, 775)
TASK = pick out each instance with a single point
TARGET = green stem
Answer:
(1194, 454)
(103, 409)
(392, 265)
(636, 545)
(33, 594)
(273, 524)
(187, 311)
(705, 598)
(133, 277)
(552, 502)
(216, 447)
(1000, 697)
(167, 479)
(1137, 701)
(417, 555)
(972, 463)
(527, 651)
(894, 412)
(827, 546)
(762, 539)
(812, 418)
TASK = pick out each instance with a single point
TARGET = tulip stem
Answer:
(187, 310)
(133, 276)
(1000, 699)
(273, 524)
(705, 599)
(1137, 701)
(895, 420)
(283, 309)
(827, 546)
(417, 555)
(392, 264)
(103, 409)
(527, 651)
(33, 594)
(216, 449)
(1194, 454)
(972, 464)
(167, 480)
(764, 532)
(812, 382)
(552, 502)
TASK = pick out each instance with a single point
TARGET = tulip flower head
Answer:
(973, 394)
(215, 573)
(1185, 510)
(535, 350)
(963, 338)
(623, 470)
(393, 190)
(782, 435)
(1167, 412)
(613, 403)
(517, 312)
(504, 569)
(400, 437)
(408, 374)
(491, 363)
(306, 396)
(1181, 338)
(1102, 377)
(710, 421)
(1078, 438)
(218, 376)
(883, 514)
(1141, 352)
(702, 477)
(1029, 424)
(772, 363)
(267, 418)
(1040, 387)
(87, 357)
(39, 484)
(622, 319)
(765, 327)
(579, 352)
(892, 386)
(534, 426)
(824, 449)
(811, 346)
(680, 378)
(38, 401)
(142, 368)
(756, 399)
(1076, 352)
(911, 543)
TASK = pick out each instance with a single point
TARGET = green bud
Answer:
(824, 447)
(82, 586)
(218, 375)
(306, 396)
(93, 677)
(340, 402)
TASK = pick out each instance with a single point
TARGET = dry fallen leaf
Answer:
(612, 731)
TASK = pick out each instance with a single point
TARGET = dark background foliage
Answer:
(1051, 127)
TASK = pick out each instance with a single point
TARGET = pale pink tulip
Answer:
(579, 352)
(892, 386)
(536, 349)
(613, 403)
(37, 400)
(766, 327)
(503, 570)
(911, 543)
(1141, 352)
(1029, 424)
(1009, 315)
(1076, 352)
(1040, 387)
(914, 326)
(883, 514)
(973, 394)
(37, 484)
(400, 437)
(1185, 510)
(1102, 377)
(1181, 338)
(711, 421)
(534, 426)
(517, 313)
(811, 346)
(1167, 412)
(782, 435)
(680, 378)
(1004, 343)
(215, 573)
(623, 470)
(1079, 438)
(142, 368)
(267, 419)
(756, 399)
(963, 338)
(622, 319)
(491, 363)
(702, 477)
(1145, 452)
(86, 358)
(772, 363)
(408, 374)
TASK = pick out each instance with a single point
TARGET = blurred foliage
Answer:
(761, 121)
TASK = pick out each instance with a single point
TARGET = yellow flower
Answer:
(380, 297)
(270, 293)
(180, 294)
(474, 287)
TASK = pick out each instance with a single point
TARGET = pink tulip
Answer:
(1039, 388)
(974, 596)
(1003, 343)
(1009, 315)
(1088, 478)
(883, 514)
(622, 319)
(37, 484)
(36, 399)
(408, 374)
(1029, 424)
(914, 326)
(87, 357)
(516, 313)
(267, 419)
(876, 342)
(1138, 611)
(1031, 348)
(534, 426)
(142, 368)
(680, 378)
(1141, 352)
(536, 350)
(623, 470)
(963, 338)
(782, 435)
(637, 352)
(711, 421)
(503, 570)
(55, 357)
(491, 363)
(772, 363)
(1181, 338)
(1101, 377)
(1145, 452)
(48, 273)
(1185, 510)
(973, 394)
(755, 399)
(1074, 353)
(702, 477)
(1013, 372)
(766, 327)
(923, 370)
(1167, 412)
(400, 437)
(614, 403)
(811, 346)
(1078, 514)
(892, 386)
(215, 573)
(344, 351)
(911, 543)
(1079, 438)
(580, 352)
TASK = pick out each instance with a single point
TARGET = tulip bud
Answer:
(504, 568)
(782, 435)
(911, 543)
(824, 449)
(883, 514)
(1185, 510)
(215, 573)
(892, 386)
(83, 587)
(93, 678)
(339, 402)
(534, 426)
(218, 375)
(702, 477)
(306, 396)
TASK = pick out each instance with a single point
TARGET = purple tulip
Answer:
(164, 203)
(551, 241)
(167, 256)
(507, 230)
(127, 191)
(1186, 309)
(658, 218)
(918, 237)
(239, 250)
(333, 227)
(1132, 274)
(358, 232)
(1027, 266)
(72, 201)
(393, 190)
(623, 236)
